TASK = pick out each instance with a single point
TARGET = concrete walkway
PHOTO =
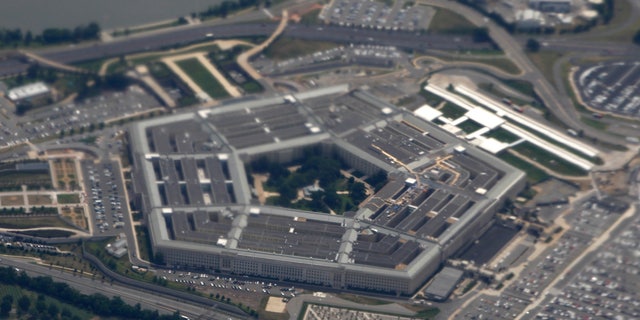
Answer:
(52, 63)
(243, 59)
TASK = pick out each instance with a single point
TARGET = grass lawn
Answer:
(39, 199)
(362, 299)
(66, 198)
(470, 126)
(544, 60)
(51, 233)
(432, 99)
(203, 78)
(311, 17)
(25, 222)
(595, 160)
(447, 21)
(534, 174)
(452, 111)
(144, 243)
(91, 65)
(622, 10)
(129, 31)
(502, 135)
(524, 87)
(286, 48)
(503, 64)
(594, 123)
(549, 160)
(119, 265)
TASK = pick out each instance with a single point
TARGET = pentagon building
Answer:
(190, 181)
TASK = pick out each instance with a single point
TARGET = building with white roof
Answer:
(29, 91)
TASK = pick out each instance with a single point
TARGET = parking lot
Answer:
(238, 289)
(50, 121)
(611, 87)
(607, 287)
(402, 15)
(588, 219)
(106, 196)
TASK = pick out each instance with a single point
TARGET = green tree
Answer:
(53, 311)
(533, 45)
(481, 35)
(6, 305)
(636, 38)
(24, 303)
(358, 192)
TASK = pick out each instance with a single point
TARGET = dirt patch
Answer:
(276, 305)
(12, 201)
(612, 183)
(75, 215)
(39, 199)
(63, 174)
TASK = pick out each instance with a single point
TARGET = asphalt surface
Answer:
(178, 37)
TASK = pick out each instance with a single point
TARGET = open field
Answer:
(205, 80)
(534, 174)
(446, 21)
(68, 198)
(545, 60)
(25, 222)
(548, 160)
(503, 135)
(499, 62)
(470, 126)
(452, 111)
(622, 10)
(39, 199)
(286, 48)
(8, 201)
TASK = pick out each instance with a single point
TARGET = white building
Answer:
(29, 91)
(557, 6)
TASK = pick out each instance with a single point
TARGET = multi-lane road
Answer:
(559, 105)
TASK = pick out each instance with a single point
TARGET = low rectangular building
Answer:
(443, 284)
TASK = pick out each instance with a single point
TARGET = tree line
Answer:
(97, 303)
(15, 37)
(315, 166)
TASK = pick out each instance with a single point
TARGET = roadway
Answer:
(148, 300)
(559, 105)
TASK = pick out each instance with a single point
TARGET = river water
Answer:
(36, 15)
